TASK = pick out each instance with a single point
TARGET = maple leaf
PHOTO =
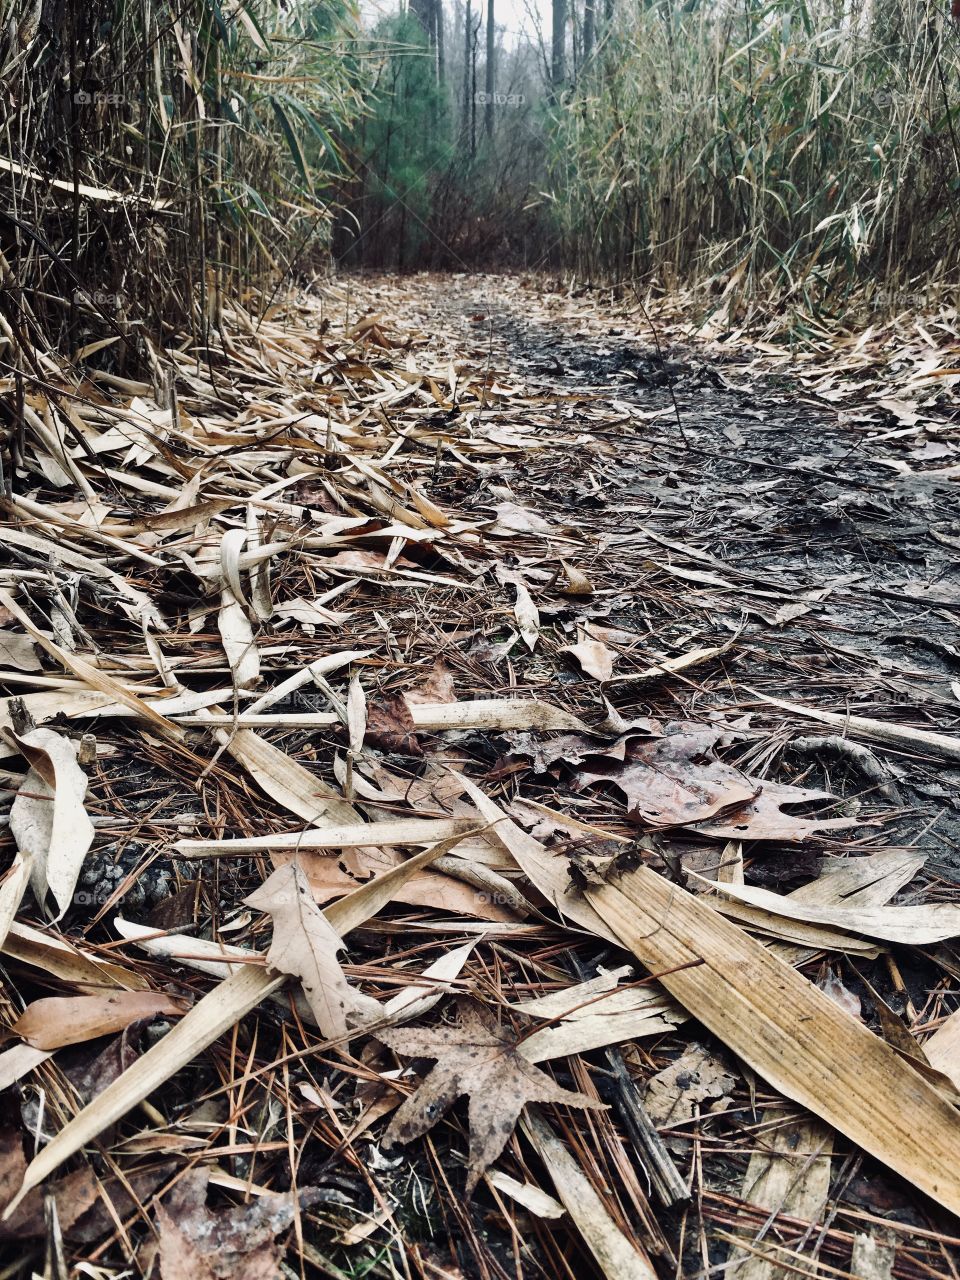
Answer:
(305, 944)
(478, 1059)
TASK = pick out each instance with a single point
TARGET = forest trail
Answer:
(647, 656)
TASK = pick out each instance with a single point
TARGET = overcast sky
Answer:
(512, 15)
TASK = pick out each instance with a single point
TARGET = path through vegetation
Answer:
(460, 687)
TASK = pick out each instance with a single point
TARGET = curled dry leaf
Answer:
(48, 819)
(527, 615)
(478, 1059)
(390, 725)
(594, 658)
(305, 945)
(238, 641)
(60, 1020)
(577, 584)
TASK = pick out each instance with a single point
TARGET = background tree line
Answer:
(156, 158)
(808, 147)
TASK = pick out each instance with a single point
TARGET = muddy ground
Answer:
(842, 575)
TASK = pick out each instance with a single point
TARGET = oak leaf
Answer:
(677, 780)
(478, 1059)
(305, 945)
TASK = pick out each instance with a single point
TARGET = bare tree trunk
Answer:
(441, 52)
(467, 44)
(473, 88)
(557, 68)
(491, 69)
(589, 29)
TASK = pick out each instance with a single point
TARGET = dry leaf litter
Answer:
(482, 799)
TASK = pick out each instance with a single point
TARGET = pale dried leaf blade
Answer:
(618, 1255)
(356, 714)
(787, 1030)
(48, 820)
(528, 616)
(239, 643)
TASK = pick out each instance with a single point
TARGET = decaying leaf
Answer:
(390, 725)
(75, 1194)
(696, 1076)
(305, 945)
(235, 1243)
(17, 651)
(48, 820)
(675, 780)
(475, 1058)
(438, 687)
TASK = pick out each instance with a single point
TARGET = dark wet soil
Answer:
(792, 528)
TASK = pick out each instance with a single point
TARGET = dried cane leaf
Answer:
(787, 1030)
(48, 820)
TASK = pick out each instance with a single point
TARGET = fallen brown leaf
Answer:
(676, 780)
(59, 1020)
(593, 657)
(305, 945)
(695, 1076)
(331, 877)
(390, 725)
(475, 1058)
(437, 687)
(236, 1243)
